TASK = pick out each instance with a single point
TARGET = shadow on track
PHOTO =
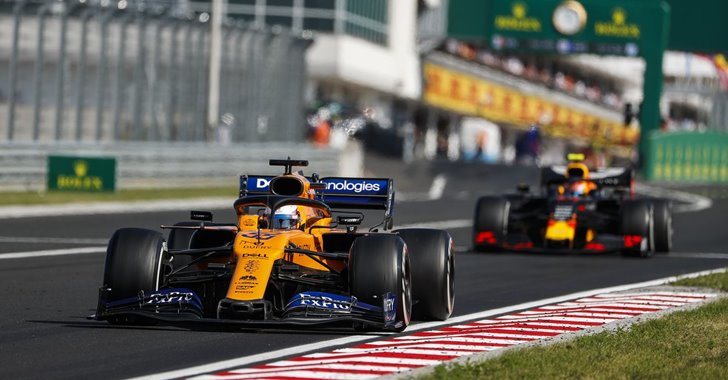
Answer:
(90, 324)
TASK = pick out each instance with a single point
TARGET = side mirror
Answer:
(318, 186)
(350, 220)
(523, 188)
(262, 219)
(205, 216)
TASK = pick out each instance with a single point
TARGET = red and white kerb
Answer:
(428, 348)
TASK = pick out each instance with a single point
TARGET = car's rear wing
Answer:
(338, 193)
(607, 177)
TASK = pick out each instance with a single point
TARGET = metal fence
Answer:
(139, 71)
(23, 166)
(365, 19)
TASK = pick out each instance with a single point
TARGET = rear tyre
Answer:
(379, 264)
(662, 213)
(433, 272)
(134, 259)
(491, 223)
(637, 220)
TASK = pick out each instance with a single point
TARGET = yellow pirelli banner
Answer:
(466, 94)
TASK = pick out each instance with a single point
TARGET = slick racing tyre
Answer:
(491, 218)
(133, 264)
(662, 214)
(189, 238)
(379, 264)
(181, 239)
(433, 272)
(637, 220)
(195, 238)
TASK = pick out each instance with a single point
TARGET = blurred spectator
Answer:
(663, 124)
(629, 114)
(531, 72)
(545, 77)
(559, 78)
(611, 100)
(320, 127)
(223, 132)
(528, 146)
(514, 66)
(594, 158)
(593, 93)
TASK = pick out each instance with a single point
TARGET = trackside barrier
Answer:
(155, 165)
(689, 157)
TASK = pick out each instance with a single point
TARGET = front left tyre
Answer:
(134, 264)
(380, 264)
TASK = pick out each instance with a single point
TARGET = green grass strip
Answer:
(689, 344)
(715, 281)
(40, 198)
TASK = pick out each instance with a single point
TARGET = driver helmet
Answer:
(579, 188)
(286, 218)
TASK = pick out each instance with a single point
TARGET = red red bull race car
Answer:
(575, 211)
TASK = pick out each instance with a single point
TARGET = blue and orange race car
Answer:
(294, 257)
(575, 211)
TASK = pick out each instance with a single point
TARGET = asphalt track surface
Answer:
(44, 333)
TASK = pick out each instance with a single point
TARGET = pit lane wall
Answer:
(689, 157)
(23, 167)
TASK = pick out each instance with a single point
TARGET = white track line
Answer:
(53, 240)
(718, 256)
(694, 202)
(299, 350)
(95, 208)
(52, 252)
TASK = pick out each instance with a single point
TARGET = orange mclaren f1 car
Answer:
(295, 257)
(575, 211)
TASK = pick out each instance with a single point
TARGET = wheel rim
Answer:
(450, 284)
(651, 232)
(406, 291)
(159, 274)
(669, 232)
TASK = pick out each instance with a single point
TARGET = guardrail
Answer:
(23, 167)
